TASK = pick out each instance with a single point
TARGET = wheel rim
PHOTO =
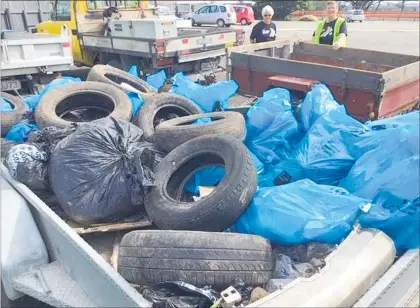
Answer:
(220, 23)
(243, 22)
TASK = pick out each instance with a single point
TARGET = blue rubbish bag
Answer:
(33, 101)
(6, 106)
(21, 130)
(317, 102)
(397, 217)
(301, 212)
(136, 101)
(408, 119)
(377, 167)
(206, 97)
(157, 80)
(323, 155)
(261, 115)
(277, 141)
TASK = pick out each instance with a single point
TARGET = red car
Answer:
(244, 15)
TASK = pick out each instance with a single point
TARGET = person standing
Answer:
(333, 30)
(265, 30)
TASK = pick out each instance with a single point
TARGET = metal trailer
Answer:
(68, 272)
(371, 84)
(198, 49)
(22, 16)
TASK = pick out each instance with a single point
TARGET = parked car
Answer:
(221, 15)
(354, 15)
(244, 15)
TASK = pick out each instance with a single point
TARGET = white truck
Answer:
(49, 260)
(30, 60)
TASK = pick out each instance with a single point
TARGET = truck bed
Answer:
(193, 40)
(78, 276)
(27, 53)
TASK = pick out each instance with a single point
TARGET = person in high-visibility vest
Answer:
(333, 30)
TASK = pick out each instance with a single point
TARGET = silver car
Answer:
(221, 15)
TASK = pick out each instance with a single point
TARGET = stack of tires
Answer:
(196, 250)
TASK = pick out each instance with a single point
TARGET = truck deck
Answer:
(371, 84)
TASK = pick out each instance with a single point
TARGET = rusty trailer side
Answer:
(371, 84)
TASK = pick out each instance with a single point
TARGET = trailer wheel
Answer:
(82, 102)
(114, 76)
(160, 107)
(216, 212)
(199, 258)
(172, 133)
(10, 118)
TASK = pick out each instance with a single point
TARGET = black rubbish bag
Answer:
(28, 164)
(101, 172)
(6, 145)
(47, 138)
(178, 294)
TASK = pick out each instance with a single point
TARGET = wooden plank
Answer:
(111, 227)
(401, 76)
(258, 46)
(349, 78)
(353, 55)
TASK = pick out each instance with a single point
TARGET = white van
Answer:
(354, 15)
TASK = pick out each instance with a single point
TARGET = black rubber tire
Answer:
(106, 97)
(217, 211)
(172, 133)
(155, 104)
(200, 258)
(99, 73)
(8, 119)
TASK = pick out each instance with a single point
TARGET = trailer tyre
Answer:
(10, 118)
(158, 107)
(172, 133)
(216, 212)
(114, 76)
(199, 258)
(82, 102)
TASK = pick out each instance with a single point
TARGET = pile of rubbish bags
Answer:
(304, 181)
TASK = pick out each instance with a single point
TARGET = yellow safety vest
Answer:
(337, 27)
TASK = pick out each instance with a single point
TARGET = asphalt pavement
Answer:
(388, 36)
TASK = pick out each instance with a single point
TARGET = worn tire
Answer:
(172, 133)
(97, 95)
(160, 103)
(219, 210)
(199, 258)
(8, 119)
(104, 73)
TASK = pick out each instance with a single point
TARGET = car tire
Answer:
(192, 22)
(244, 22)
(220, 23)
(156, 106)
(114, 76)
(172, 133)
(198, 258)
(217, 211)
(10, 118)
(89, 94)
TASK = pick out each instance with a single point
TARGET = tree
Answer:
(319, 5)
(362, 4)
(281, 8)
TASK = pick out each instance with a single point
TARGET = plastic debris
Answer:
(6, 106)
(178, 294)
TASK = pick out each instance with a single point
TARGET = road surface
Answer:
(388, 36)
